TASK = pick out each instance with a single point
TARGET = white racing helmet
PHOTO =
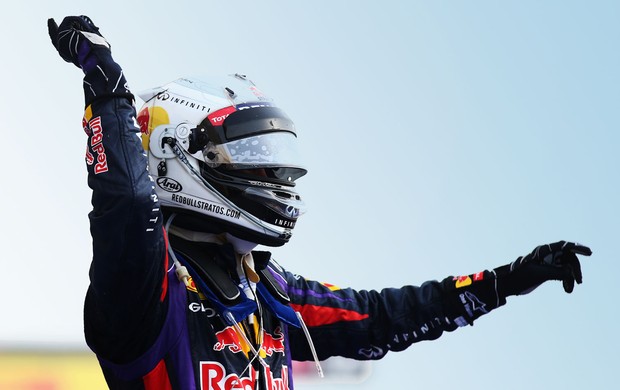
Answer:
(223, 158)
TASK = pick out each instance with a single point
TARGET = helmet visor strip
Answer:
(268, 155)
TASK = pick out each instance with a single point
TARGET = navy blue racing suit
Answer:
(150, 331)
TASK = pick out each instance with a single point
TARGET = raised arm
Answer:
(127, 274)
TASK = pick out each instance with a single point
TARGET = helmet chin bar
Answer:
(195, 221)
(180, 154)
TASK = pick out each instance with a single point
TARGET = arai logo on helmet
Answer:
(168, 184)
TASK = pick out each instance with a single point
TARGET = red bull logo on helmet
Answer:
(148, 119)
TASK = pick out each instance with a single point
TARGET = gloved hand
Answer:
(79, 41)
(557, 261)
(477, 294)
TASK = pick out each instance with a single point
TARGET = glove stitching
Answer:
(496, 289)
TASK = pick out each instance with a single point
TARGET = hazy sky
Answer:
(442, 138)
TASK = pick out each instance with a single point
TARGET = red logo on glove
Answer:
(464, 281)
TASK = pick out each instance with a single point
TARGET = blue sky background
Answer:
(442, 138)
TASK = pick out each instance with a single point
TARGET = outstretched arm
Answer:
(368, 324)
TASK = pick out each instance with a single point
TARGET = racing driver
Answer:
(183, 192)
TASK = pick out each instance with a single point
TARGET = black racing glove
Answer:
(79, 41)
(557, 261)
(477, 294)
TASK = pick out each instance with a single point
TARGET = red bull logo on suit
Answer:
(228, 338)
(273, 343)
(213, 376)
